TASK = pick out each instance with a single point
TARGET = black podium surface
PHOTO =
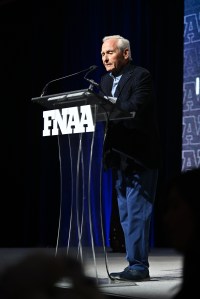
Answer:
(105, 109)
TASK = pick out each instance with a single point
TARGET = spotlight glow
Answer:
(197, 86)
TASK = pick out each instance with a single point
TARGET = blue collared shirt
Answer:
(115, 83)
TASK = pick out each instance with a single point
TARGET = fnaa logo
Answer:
(69, 120)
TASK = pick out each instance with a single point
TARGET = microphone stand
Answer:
(88, 70)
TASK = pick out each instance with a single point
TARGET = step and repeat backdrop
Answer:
(191, 86)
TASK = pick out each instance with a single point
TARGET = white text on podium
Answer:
(69, 120)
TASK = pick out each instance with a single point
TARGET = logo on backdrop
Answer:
(69, 120)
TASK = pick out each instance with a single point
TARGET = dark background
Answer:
(42, 41)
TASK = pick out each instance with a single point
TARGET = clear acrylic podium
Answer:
(79, 171)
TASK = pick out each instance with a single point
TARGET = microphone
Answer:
(88, 70)
(92, 82)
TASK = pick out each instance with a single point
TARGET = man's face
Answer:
(113, 58)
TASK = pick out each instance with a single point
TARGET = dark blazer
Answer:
(137, 137)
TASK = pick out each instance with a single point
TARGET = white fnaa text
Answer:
(69, 120)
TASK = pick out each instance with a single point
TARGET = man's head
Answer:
(115, 53)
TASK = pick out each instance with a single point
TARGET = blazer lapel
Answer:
(121, 83)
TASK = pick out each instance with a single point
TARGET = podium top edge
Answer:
(67, 93)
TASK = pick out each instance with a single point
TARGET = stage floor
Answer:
(165, 270)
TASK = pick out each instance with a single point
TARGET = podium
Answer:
(104, 109)
(66, 112)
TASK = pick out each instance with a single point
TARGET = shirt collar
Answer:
(117, 78)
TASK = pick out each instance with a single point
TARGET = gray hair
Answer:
(122, 43)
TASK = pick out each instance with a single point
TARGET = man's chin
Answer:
(109, 69)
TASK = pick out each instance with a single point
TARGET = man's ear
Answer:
(126, 53)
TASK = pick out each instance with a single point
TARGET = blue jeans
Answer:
(136, 194)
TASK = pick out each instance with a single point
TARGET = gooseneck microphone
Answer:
(91, 81)
(88, 70)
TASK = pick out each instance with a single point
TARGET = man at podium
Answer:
(131, 149)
